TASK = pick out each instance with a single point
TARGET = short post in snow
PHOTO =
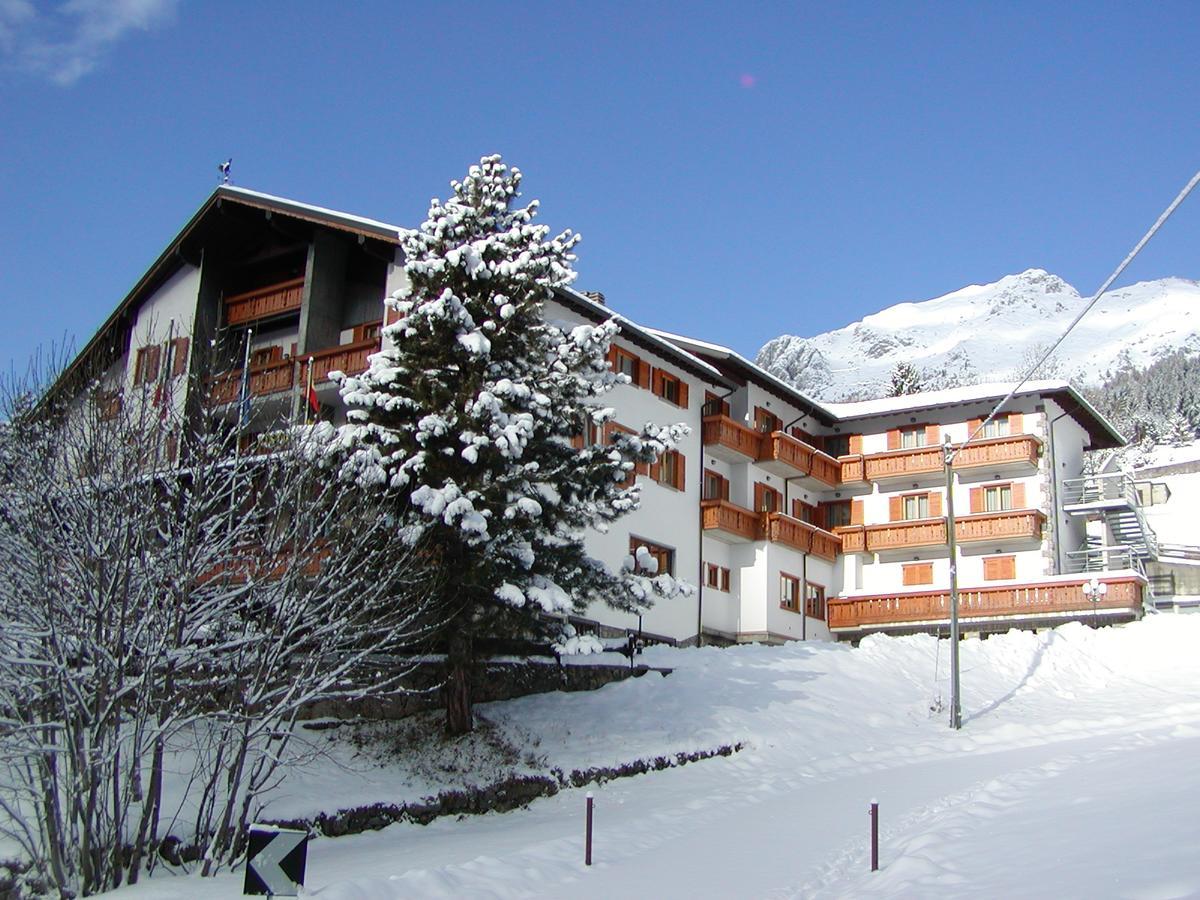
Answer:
(587, 841)
(874, 835)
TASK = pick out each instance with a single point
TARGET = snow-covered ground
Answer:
(1074, 775)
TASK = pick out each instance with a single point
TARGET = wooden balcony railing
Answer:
(348, 358)
(264, 302)
(268, 379)
(799, 535)
(1010, 523)
(853, 469)
(723, 431)
(1021, 448)
(252, 562)
(993, 526)
(721, 515)
(804, 458)
(1037, 599)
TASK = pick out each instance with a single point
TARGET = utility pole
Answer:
(955, 701)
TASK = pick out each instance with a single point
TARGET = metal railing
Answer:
(1099, 488)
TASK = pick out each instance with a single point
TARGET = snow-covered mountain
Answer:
(989, 332)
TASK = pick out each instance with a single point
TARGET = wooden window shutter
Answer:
(656, 469)
(683, 394)
(680, 476)
(933, 435)
(724, 579)
(856, 443)
(656, 381)
(856, 512)
(1016, 424)
(997, 568)
(895, 509)
(641, 468)
(797, 509)
(760, 492)
(724, 488)
(577, 441)
(611, 356)
(1018, 495)
(643, 373)
(893, 438)
(976, 499)
(935, 504)
(918, 573)
(973, 426)
(180, 360)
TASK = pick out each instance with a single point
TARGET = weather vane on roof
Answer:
(224, 168)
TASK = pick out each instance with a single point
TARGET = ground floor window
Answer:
(814, 601)
(789, 592)
(716, 577)
(650, 558)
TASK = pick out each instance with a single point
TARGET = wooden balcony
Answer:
(853, 469)
(254, 563)
(729, 440)
(1017, 454)
(267, 379)
(348, 358)
(1007, 525)
(730, 523)
(799, 535)
(265, 302)
(790, 457)
(893, 536)
(1008, 604)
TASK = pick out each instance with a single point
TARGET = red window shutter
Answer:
(935, 504)
(856, 443)
(1018, 495)
(977, 500)
(895, 509)
(856, 512)
(1016, 424)
(643, 373)
(933, 435)
(893, 439)
(683, 394)
(641, 468)
(611, 356)
(680, 475)
(656, 470)
(577, 441)
(656, 381)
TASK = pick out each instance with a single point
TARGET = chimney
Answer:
(594, 295)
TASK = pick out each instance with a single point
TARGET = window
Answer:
(588, 434)
(766, 421)
(997, 497)
(915, 506)
(669, 470)
(716, 486)
(766, 498)
(999, 568)
(837, 514)
(917, 573)
(814, 601)
(913, 436)
(837, 444)
(265, 356)
(368, 331)
(806, 512)
(626, 363)
(179, 356)
(789, 592)
(145, 367)
(650, 558)
(716, 577)
(714, 405)
(998, 427)
(670, 388)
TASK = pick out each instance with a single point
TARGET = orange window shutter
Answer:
(760, 492)
(856, 443)
(683, 394)
(725, 408)
(643, 373)
(1009, 566)
(577, 441)
(724, 488)
(641, 468)
(1016, 424)
(611, 356)
(179, 364)
(935, 504)
(680, 474)
(895, 509)
(973, 426)
(933, 435)
(656, 469)
(856, 512)
(797, 509)
(977, 500)
(656, 381)
(1018, 495)
(893, 438)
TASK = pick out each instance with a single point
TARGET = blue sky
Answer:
(736, 173)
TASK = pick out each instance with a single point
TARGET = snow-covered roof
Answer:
(1102, 432)
(746, 368)
(309, 212)
(651, 336)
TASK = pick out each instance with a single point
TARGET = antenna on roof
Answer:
(224, 169)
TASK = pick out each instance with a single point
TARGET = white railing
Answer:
(1098, 488)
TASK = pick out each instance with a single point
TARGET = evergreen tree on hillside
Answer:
(472, 414)
(905, 380)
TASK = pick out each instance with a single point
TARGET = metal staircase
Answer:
(1113, 499)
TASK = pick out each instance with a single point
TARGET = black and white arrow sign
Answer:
(275, 861)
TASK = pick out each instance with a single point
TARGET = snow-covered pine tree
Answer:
(471, 414)
(1178, 432)
(905, 380)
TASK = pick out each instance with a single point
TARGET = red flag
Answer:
(312, 391)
